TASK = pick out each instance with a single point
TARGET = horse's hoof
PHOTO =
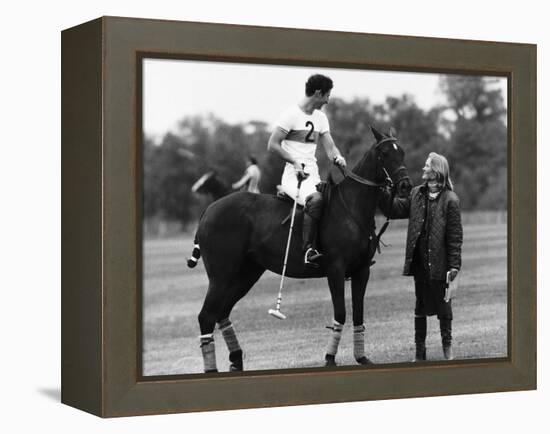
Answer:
(236, 359)
(364, 361)
(330, 360)
(210, 371)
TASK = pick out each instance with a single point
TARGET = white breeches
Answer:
(289, 182)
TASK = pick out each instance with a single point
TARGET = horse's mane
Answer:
(358, 168)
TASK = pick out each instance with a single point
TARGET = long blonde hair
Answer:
(440, 166)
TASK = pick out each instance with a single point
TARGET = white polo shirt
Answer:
(302, 136)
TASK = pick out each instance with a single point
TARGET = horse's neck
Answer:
(362, 199)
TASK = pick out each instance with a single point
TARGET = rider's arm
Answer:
(241, 181)
(333, 153)
(275, 145)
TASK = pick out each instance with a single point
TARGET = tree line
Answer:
(469, 129)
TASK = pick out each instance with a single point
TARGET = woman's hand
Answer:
(454, 273)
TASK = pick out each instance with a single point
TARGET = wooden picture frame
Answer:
(101, 225)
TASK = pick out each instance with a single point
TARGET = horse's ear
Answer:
(392, 132)
(377, 135)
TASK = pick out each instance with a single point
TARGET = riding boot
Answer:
(313, 209)
(312, 256)
(445, 326)
(208, 353)
(420, 331)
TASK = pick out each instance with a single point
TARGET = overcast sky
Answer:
(173, 89)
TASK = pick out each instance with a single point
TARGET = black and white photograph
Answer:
(152, 163)
(306, 217)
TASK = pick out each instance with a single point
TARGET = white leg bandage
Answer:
(228, 333)
(208, 352)
(335, 337)
(359, 341)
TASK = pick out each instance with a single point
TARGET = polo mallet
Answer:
(277, 311)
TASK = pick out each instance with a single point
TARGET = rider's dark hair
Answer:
(252, 159)
(318, 82)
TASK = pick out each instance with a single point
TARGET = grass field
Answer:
(173, 295)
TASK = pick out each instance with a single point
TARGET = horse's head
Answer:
(390, 167)
(204, 184)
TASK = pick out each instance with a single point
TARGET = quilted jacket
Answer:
(445, 237)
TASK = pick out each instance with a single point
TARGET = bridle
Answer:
(388, 181)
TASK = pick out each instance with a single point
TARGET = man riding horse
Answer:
(244, 234)
(297, 133)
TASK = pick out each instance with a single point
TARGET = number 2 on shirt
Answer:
(311, 129)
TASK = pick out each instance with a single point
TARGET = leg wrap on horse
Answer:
(335, 337)
(228, 333)
(359, 342)
(195, 256)
(208, 353)
(235, 351)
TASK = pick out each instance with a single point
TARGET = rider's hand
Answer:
(300, 173)
(339, 161)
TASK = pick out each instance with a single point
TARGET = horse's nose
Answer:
(404, 188)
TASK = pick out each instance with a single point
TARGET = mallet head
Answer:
(276, 313)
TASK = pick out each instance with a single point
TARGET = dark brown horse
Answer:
(241, 236)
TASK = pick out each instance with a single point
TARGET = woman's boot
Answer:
(420, 328)
(445, 326)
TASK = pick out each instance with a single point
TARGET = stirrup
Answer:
(311, 257)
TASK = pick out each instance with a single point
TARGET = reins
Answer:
(360, 224)
(387, 182)
(349, 174)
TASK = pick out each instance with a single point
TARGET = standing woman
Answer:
(434, 248)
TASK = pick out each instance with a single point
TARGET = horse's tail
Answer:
(195, 255)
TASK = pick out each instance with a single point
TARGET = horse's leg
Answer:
(359, 282)
(336, 283)
(207, 321)
(239, 287)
